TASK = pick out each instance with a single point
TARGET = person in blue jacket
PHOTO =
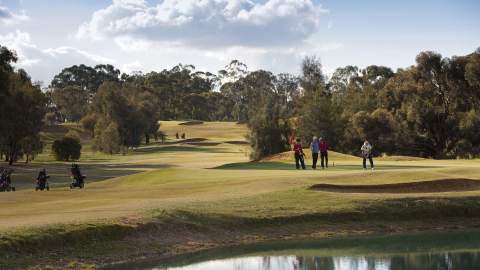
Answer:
(314, 146)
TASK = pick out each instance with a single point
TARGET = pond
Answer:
(439, 251)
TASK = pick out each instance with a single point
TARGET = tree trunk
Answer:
(147, 138)
(11, 159)
(12, 154)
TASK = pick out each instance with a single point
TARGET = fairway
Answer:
(208, 175)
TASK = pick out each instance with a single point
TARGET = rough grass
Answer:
(176, 192)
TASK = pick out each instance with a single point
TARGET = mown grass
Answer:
(284, 165)
(177, 189)
(98, 241)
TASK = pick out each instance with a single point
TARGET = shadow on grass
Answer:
(275, 165)
(178, 148)
(404, 209)
(25, 174)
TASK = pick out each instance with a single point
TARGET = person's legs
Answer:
(322, 159)
(371, 161)
(302, 161)
(315, 159)
(297, 161)
(364, 162)
(326, 159)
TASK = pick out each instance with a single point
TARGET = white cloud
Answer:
(207, 23)
(129, 44)
(268, 34)
(43, 64)
(329, 46)
(20, 42)
(330, 24)
(137, 35)
(131, 67)
(65, 50)
(8, 17)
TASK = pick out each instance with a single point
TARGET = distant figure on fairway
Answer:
(176, 136)
(75, 171)
(6, 180)
(367, 153)
(42, 180)
(314, 146)
(183, 136)
(324, 153)
(77, 177)
(299, 155)
(42, 175)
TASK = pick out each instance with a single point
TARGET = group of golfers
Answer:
(320, 147)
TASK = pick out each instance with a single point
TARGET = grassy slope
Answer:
(179, 187)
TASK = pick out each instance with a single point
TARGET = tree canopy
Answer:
(22, 109)
(430, 109)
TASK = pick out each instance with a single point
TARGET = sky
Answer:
(275, 35)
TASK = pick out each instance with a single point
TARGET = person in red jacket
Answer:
(323, 153)
(299, 155)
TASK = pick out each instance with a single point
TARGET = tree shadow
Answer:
(276, 165)
(24, 175)
(180, 148)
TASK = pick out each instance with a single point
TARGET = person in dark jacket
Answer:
(77, 175)
(299, 155)
(42, 176)
(314, 147)
(323, 153)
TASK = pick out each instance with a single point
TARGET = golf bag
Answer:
(78, 180)
(42, 182)
(5, 180)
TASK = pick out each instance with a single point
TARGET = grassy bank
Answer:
(177, 197)
(171, 233)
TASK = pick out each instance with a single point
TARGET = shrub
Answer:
(88, 123)
(110, 139)
(73, 134)
(31, 146)
(67, 149)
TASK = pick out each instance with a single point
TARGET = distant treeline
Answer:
(430, 109)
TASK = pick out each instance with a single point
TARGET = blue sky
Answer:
(269, 34)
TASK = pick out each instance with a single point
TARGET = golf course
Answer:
(202, 192)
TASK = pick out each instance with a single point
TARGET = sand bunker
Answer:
(442, 185)
(198, 142)
(191, 123)
(203, 143)
(237, 142)
(192, 140)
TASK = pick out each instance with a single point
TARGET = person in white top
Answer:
(367, 154)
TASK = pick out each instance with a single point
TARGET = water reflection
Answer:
(429, 261)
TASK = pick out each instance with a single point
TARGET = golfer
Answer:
(299, 155)
(315, 147)
(367, 154)
(324, 153)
